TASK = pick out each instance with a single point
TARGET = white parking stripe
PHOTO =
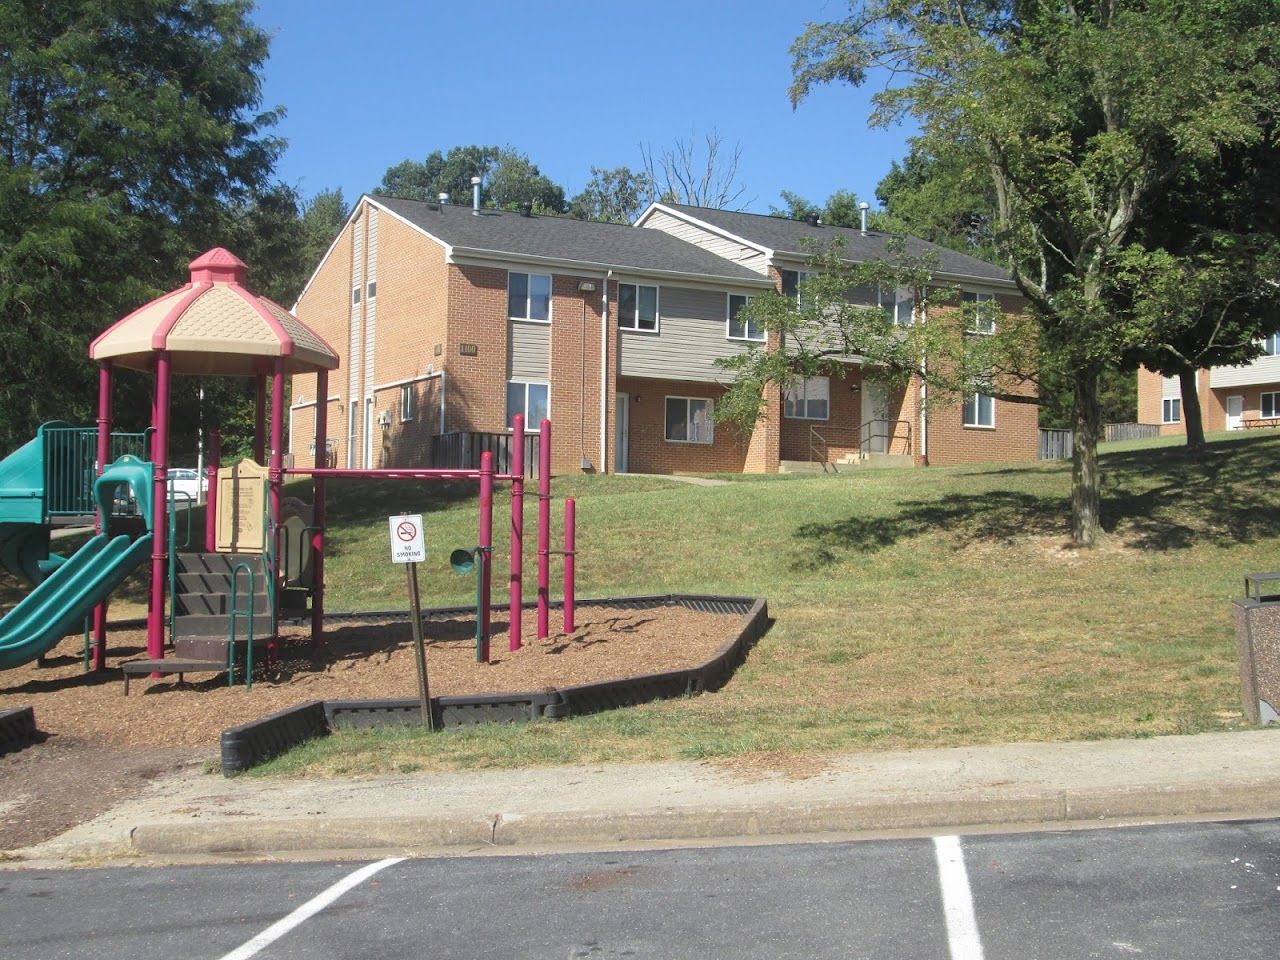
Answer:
(308, 909)
(957, 901)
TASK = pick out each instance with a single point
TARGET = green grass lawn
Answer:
(913, 608)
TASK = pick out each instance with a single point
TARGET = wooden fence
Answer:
(1055, 444)
(1132, 431)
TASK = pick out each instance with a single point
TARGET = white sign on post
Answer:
(407, 545)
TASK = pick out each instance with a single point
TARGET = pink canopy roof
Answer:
(215, 325)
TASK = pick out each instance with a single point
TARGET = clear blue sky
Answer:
(572, 84)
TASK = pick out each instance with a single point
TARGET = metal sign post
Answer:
(409, 548)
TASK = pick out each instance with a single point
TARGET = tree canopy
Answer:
(131, 136)
(508, 178)
(1079, 113)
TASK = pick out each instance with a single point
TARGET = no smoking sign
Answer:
(407, 544)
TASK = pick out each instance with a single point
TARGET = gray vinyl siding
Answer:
(1262, 370)
(530, 351)
(692, 327)
(721, 247)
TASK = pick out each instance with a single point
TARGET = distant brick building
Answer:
(1231, 398)
(450, 320)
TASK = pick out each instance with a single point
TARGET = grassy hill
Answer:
(913, 607)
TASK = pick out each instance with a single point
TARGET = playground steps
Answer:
(202, 617)
(202, 595)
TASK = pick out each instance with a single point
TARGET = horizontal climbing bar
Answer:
(405, 473)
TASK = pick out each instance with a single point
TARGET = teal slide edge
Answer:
(65, 598)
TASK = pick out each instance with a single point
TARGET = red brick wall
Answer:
(842, 428)
(323, 307)
(649, 450)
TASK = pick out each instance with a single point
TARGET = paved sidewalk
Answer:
(194, 814)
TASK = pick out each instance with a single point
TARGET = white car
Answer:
(186, 483)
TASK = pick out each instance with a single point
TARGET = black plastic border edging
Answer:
(17, 729)
(259, 740)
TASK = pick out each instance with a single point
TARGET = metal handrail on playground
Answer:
(237, 612)
(173, 554)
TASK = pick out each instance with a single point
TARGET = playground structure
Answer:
(261, 556)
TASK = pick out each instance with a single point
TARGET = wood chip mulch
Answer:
(358, 661)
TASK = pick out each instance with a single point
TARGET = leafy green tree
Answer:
(323, 217)
(509, 178)
(1206, 273)
(945, 196)
(1079, 111)
(614, 196)
(840, 210)
(130, 132)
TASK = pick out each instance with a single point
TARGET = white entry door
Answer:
(1235, 413)
(875, 416)
(622, 432)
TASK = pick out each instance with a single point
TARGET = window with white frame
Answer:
(531, 399)
(1269, 406)
(979, 410)
(903, 307)
(1171, 410)
(355, 295)
(637, 307)
(528, 296)
(742, 329)
(981, 309)
(371, 289)
(809, 398)
(408, 403)
(688, 420)
(1271, 345)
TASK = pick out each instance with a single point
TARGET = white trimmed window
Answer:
(408, 403)
(808, 399)
(979, 410)
(371, 289)
(689, 420)
(1271, 345)
(637, 307)
(903, 307)
(529, 296)
(742, 329)
(1269, 406)
(982, 311)
(1171, 410)
(531, 399)
(355, 295)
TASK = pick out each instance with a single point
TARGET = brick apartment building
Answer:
(1231, 398)
(449, 320)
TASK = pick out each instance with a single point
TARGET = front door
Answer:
(622, 432)
(1235, 413)
(875, 416)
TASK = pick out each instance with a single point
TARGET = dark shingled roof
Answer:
(619, 246)
(786, 237)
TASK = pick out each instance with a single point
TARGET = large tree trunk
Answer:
(1192, 419)
(1086, 519)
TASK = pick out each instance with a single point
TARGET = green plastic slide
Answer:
(59, 605)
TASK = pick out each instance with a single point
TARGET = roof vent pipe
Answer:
(475, 196)
(862, 209)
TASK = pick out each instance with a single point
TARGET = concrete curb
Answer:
(418, 833)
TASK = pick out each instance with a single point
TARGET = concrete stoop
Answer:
(848, 462)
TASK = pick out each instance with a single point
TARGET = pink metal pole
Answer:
(259, 420)
(159, 509)
(517, 527)
(570, 545)
(100, 525)
(544, 528)
(485, 543)
(211, 495)
(318, 510)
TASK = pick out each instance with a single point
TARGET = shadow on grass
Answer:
(1164, 498)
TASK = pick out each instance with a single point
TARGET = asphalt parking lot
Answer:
(1180, 891)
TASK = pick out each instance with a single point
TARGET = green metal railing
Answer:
(248, 614)
(70, 465)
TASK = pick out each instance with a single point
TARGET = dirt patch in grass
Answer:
(762, 764)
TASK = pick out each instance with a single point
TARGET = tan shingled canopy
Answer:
(214, 325)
